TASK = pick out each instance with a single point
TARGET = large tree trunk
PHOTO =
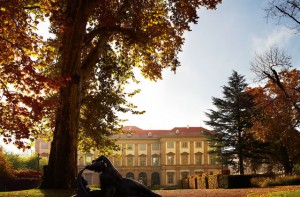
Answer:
(285, 160)
(62, 167)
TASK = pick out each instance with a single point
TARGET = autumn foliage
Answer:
(24, 86)
(278, 121)
(48, 85)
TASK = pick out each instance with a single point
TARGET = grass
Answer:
(295, 193)
(278, 181)
(38, 192)
(64, 193)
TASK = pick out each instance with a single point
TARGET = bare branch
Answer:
(285, 9)
(288, 14)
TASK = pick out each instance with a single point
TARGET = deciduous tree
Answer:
(279, 119)
(96, 43)
(268, 66)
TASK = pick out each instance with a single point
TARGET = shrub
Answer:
(21, 184)
(287, 180)
(6, 171)
(235, 181)
(202, 181)
(192, 182)
(279, 181)
(213, 181)
(27, 174)
(185, 184)
(257, 181)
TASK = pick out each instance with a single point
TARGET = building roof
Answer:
(136, 132)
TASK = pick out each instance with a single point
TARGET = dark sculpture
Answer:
(112, 183)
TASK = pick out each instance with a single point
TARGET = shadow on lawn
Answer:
(39, 193)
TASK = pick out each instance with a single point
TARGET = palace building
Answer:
(154, 157)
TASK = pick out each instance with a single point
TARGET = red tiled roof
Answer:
(136, 132)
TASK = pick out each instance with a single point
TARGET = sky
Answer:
(224, 40)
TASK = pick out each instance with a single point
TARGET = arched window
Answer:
(117, 161)
(155, 160)
(155, 179)
(184, 158)
(143, 178)
(130, 175)
(130, 161)
(170, 158)
(143, 160)
(198, 158)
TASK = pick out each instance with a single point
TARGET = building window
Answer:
(184, 159)
(129, 146)
(44, 145)
(155, 146)
(88, 159)
(143, 161)
(198, 159)
(170, 159)
(184, 145)
(142, 146)
(155, 161)
(130, 175)
(184, 175)
(198, 144)
(213, 160)
(170, 177)
(170, 144)
(117, 161)
(130, 161)
(143, 178)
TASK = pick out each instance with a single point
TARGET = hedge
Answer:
(21, 184)
(192, 182)
(185, 184)
(213, 181)
(235, 181)
(202, 181)
(21, 180)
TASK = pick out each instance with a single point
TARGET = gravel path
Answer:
(222, 192)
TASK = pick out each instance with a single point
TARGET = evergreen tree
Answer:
(232, 142)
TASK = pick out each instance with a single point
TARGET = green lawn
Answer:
(295, 193)
(68, 193)
(38, 192)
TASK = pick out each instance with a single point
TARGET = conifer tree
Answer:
(230, 122)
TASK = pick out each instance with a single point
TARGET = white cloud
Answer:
(280, 37)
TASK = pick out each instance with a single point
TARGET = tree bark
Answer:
(287, 165)
(62, 166)
(240, 152)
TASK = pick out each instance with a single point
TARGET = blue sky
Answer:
(224, 40)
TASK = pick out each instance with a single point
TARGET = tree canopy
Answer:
(83, 68)
(278, 102)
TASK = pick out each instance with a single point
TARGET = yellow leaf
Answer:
(3, 9)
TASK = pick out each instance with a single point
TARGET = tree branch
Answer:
(92, 58)
(287, 14)
(129, 32)
(294, 4)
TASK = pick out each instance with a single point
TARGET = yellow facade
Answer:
(157, 157)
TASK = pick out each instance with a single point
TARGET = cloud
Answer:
(280, 37)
